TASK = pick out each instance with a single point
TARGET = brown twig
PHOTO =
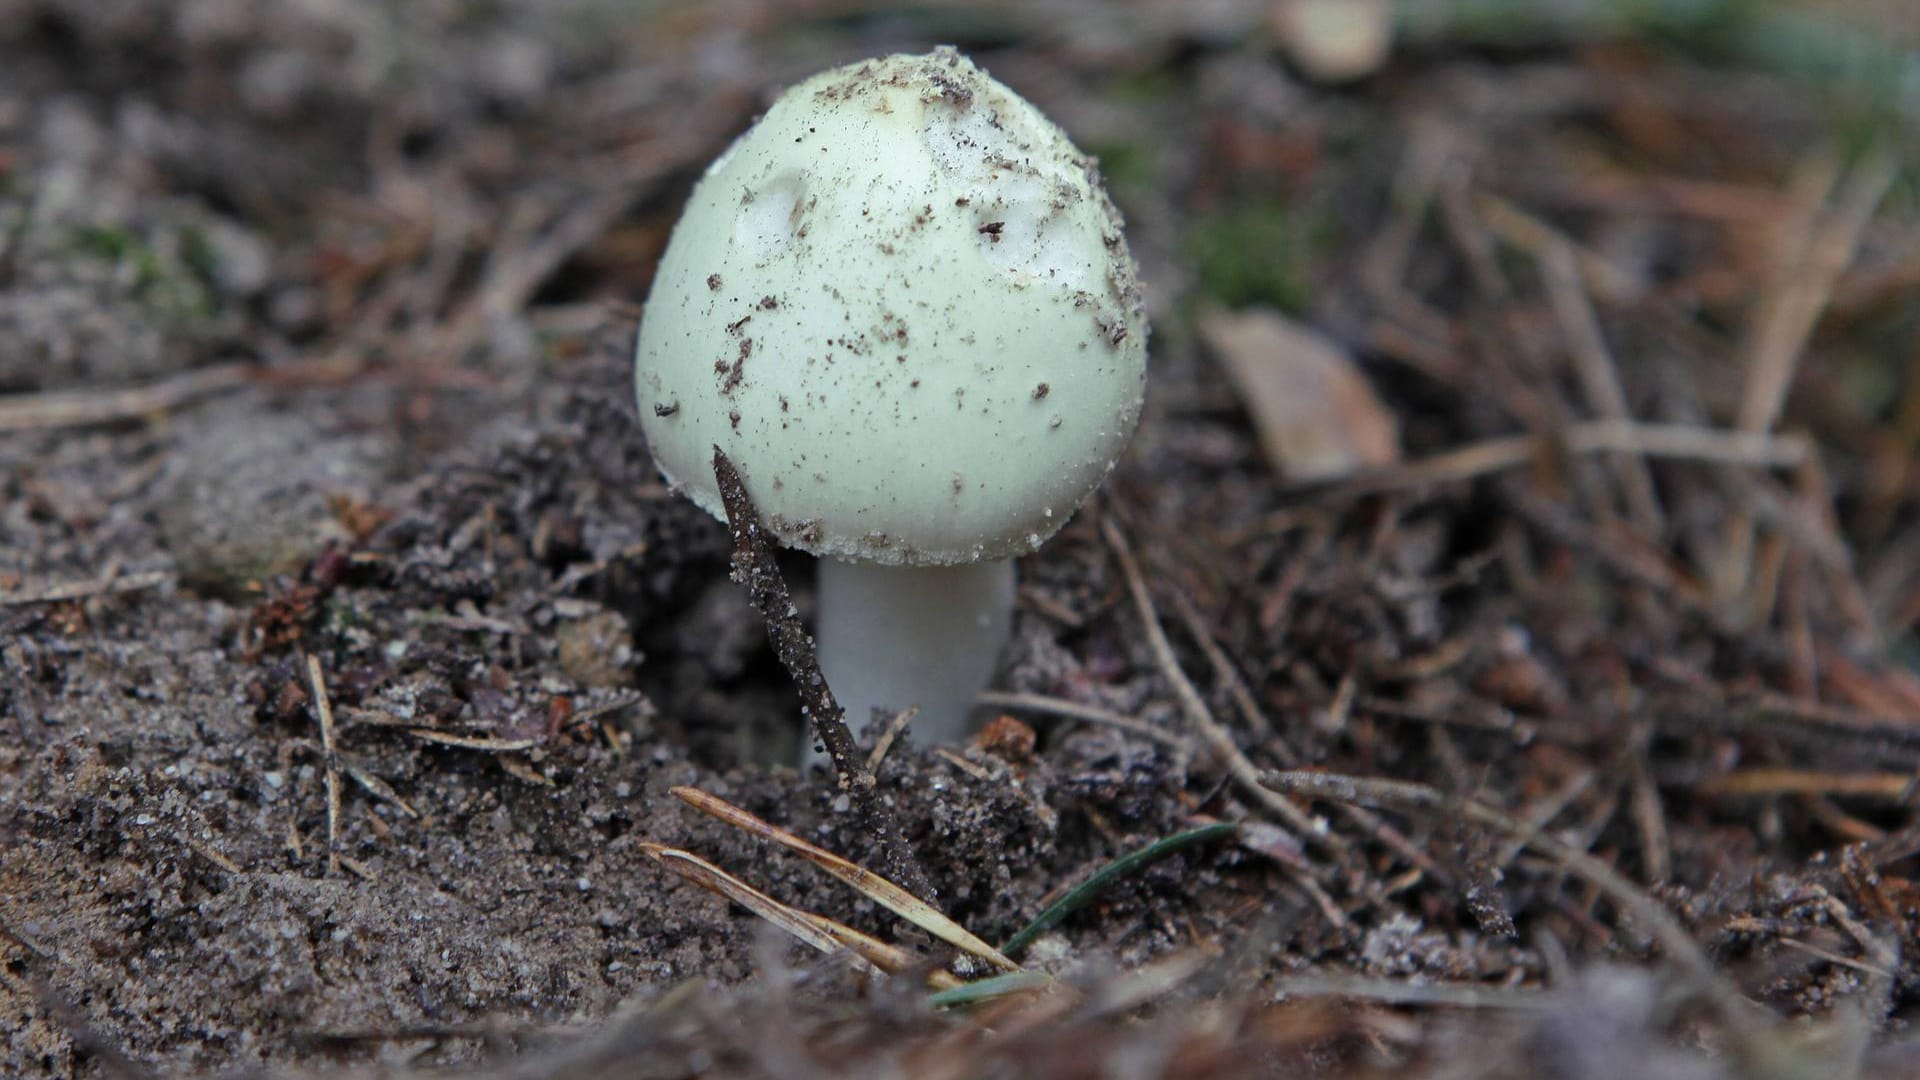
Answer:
(1606, 281)
(473, 742)
(516, 269)
(755, 569)
(1599, 378)
(1678, 441)
(1404, 796)
(112, 584)
(873, 886)
(1634, 562)
(380, 789)
(1228, 675)
(1409, 992)
(1217, 738)
(323, 710)
(1074, 710)
(1818, 251)
(1649, 813)
(1543, 813)
(1892, 787)
(213, 855)
(1251, 714)
(1798, 294)
(884, 744)
(1807, 723)
(79, 408)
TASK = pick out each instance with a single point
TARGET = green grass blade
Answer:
(1012, 982)
(1082, 894)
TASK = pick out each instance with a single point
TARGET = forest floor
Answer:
(1564, 690)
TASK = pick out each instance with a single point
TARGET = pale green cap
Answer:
(903, 305)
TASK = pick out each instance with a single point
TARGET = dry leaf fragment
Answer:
(1317, 416)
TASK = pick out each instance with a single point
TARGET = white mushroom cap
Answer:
(903, 306)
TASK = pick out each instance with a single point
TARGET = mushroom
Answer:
(903, 306)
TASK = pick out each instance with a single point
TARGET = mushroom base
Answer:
(897, 636)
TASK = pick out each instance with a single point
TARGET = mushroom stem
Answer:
(896, 636)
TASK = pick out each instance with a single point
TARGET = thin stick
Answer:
(1533, 234)
(1793, 306)
(1218, 739)
(1649, 814)
(1790, 309)
(515, 271)
(380, 789)
(1835, 958)
(873, 886)
(1400, 992)
(109, 585)
(79, 408)
(1543, 814)
(884, 743)
(1599, 377)
(473, 742)
(1679, 441)
(1638, 563)
(754, 567)
(213, 855)
(324, 708)
(1227, 675)
(1406, 796)
(1808, 723)
(1605, 280)
(1891, 787)
(824, 934)
(1074, 710)
(1275, 744)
